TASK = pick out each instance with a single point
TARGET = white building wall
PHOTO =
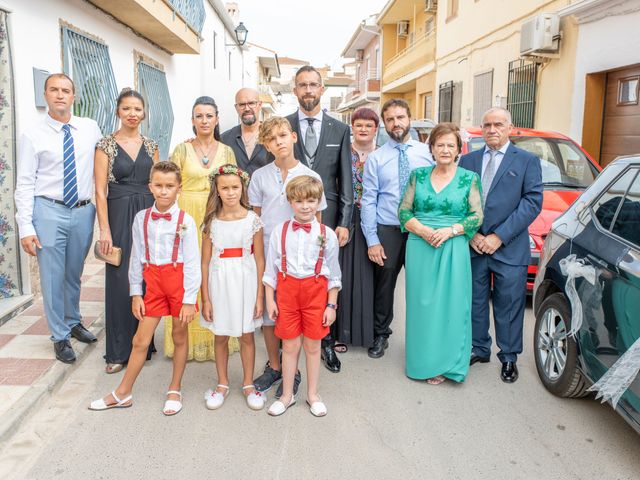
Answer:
(604, 44)
(36, 42)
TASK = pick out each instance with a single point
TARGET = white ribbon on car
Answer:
(617, 379)
(573, 267)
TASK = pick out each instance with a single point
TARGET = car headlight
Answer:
(532, 244)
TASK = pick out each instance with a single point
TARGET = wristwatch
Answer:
(332, 306)
(455, 230)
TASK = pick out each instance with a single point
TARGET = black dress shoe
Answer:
(64, 352)
(82, 334)
(380, 344)
(509, 373)
(330, 359)
(477, 359)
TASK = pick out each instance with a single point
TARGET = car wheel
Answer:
(556, 354)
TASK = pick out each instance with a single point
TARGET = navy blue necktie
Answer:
(70, 190)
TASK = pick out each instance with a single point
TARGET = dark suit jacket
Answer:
(513, 202)
(259, 158)
(333, 163)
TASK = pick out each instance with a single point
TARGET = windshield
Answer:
(562, 162)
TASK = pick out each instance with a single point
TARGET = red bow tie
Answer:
(156, 216)
(304, 226)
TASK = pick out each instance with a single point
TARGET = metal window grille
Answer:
(445, 104)
(482, 95)
(158, 123)
(521, 96)
(88, 63)
(192, 11)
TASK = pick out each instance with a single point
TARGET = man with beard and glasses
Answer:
(385, 178)
(324, 145)
(243, 138)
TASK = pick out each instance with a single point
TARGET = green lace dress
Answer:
(438, 280)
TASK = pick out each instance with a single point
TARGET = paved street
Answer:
(380, 424)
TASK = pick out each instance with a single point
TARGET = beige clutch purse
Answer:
(114, 258)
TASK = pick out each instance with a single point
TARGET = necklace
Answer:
(205, 156)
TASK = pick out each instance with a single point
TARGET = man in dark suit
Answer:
(243, 138)
(324, 146)
(512, 194)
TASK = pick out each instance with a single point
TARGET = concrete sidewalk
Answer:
(28, 368)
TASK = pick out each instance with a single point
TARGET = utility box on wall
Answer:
(540, 34)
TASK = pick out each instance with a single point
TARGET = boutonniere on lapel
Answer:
(322, 241)
(182, 229)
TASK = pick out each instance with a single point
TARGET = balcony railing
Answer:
(192, 11)
(416, 55)
(174, 25)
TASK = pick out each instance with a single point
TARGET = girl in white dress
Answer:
(232, 267)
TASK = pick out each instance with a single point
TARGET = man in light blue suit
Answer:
(512, 199)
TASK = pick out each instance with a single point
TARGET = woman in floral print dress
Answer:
(442, 210)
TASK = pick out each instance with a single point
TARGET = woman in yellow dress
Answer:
(197, 158)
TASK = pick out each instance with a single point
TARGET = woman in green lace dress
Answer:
(442, 210)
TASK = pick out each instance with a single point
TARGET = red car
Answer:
(567, 170)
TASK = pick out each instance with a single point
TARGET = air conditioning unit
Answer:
(359, 55)
(431, 6)
(540, 34)
(403, 28)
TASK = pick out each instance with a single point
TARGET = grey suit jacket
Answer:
(333, 163)
(259, 158)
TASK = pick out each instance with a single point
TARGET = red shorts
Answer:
(301, 305)
(165, 290)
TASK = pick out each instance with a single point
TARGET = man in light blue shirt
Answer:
(386, 173)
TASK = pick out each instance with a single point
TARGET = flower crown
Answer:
(230, 170)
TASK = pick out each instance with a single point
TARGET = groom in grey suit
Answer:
(324, 145)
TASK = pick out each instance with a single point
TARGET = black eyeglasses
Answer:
(244, 105)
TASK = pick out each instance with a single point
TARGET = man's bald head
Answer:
(248, 105)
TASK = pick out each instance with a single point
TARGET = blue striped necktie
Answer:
(70, 191)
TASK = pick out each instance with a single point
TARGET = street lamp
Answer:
(241, 35)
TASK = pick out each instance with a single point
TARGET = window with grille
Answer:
(87, 62)
(445, 102)
(158, 124)
(482, 95)
(521, 96)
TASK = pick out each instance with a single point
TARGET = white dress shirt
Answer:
(268, 191)
(161, 234)
(41, 165)
(302, 254)
(317, 125)
(497, 160)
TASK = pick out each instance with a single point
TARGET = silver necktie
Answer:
(310, 142)
(489, 173)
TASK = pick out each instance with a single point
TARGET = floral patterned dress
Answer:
(438, 280)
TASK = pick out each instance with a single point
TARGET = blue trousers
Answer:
(508, 298)
(65, 235)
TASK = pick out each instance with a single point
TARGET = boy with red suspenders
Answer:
(302, 278)
(165, 255)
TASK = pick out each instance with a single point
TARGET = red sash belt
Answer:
(233, 252)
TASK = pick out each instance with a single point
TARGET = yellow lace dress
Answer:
(193, 200)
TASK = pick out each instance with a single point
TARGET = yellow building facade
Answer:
(479, 64)
(408, 54)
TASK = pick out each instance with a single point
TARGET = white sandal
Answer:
(102, 405)
(317, 408)
(277, 408)
(215, 399)
(255, 400)
(172, 407)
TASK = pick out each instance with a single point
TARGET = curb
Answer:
(46, 385)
